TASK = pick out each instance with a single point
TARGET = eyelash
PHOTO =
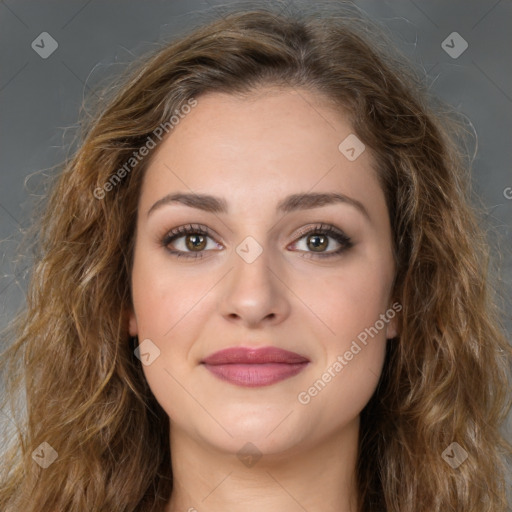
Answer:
(319, 229)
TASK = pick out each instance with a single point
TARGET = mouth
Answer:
(254, 367)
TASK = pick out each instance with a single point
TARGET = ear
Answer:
(391, 329)
(392, 326)
(132, 322)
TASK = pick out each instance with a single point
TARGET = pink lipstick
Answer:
(254, 367)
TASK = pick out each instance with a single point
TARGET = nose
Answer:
(255, 293)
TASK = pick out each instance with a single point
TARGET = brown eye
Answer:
(190, 241)
(195, 242)
(317, 239)
(317, 242)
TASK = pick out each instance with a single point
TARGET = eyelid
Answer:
(330, 231)
(189, 228)
(320, 227)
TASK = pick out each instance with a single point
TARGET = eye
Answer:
(317, 241)
(194, 241)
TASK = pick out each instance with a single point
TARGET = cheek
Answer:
(164, 296)
(171, 308)
(348, 300)
(341, 389)
(350, 303)
(170, 313)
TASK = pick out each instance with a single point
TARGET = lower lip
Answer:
(255, 375)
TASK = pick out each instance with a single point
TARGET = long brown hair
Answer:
(445, 376)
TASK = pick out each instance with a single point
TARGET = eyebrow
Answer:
(289, 204)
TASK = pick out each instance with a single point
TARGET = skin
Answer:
(253, 152)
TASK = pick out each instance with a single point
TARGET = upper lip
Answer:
(245, 355)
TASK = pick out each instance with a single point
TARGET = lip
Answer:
(251, 367)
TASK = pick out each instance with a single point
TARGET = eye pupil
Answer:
(199, 242)
(317, 244)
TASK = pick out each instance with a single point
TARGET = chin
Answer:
(271, 429)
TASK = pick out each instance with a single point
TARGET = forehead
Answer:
(259, 148)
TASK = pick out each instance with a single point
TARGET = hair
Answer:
(445, 377)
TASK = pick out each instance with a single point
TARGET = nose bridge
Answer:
(253, 290)
(252, 266)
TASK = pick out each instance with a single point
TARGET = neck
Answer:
(319, 478)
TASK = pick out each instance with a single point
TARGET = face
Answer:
(262, 269)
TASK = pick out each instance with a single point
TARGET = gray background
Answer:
(40, 98)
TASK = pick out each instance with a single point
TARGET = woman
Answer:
(260, 285)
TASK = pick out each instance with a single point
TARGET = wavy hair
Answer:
(71, 379)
